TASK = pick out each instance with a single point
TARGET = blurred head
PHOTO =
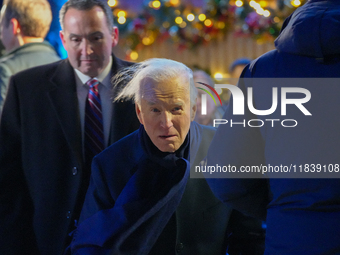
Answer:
(25, 18)
(88, 34)
(237, 67)
(201, 76)
(165, 98)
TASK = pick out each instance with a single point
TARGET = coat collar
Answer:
(63, 97)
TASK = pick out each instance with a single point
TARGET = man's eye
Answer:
(177, 109)
(155, 110)
(75, 39)
(96, 38)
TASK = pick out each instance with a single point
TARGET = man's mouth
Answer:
(167, 136)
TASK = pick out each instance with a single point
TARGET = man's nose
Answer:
(86, 47)
(166, 120)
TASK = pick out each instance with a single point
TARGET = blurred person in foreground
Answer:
(141, 199)
(301, 206)
(55, 118)
(23, 27)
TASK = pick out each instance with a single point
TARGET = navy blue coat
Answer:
(130, 201)
(303, 214)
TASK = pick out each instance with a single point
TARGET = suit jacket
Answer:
(128, 205)
(43, 179)
(24, 57)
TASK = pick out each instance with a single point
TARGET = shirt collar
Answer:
(101, 77)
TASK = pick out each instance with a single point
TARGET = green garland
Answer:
(156, 25)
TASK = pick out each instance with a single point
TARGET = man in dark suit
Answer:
(24, 25)
(44, 159)
(141, 199)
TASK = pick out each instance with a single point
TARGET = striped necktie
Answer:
(94, 135)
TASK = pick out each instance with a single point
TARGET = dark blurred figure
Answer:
(301, 206)
(24, 25)
(55, 118)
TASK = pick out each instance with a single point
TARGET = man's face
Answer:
(165, 112)
(88, 40)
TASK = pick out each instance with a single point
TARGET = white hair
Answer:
(158, 69)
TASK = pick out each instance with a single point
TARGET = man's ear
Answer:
(16, 29)
(115, 36)
(62, 37)
(139, 113)
(193, 111)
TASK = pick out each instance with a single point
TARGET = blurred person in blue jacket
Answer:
(302, 210)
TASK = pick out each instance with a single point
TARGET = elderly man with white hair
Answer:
(141, 199)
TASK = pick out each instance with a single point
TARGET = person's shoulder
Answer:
(120, 63)
(30, 51)
(203, 129)
(126, 149)
(16, 64)
(37, 53)
(8, 62)
(200, 135)
(40, 71)
(5, 58)
(125, 63)
(209, 129)
(268, 65)
(266, 60)
(5, 70)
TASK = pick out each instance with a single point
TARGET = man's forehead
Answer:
(167, 84)
(155, 101)
(170, 88)
(87, 35)
(153, 97)
(91, 17)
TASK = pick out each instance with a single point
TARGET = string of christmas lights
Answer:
(189, 25)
